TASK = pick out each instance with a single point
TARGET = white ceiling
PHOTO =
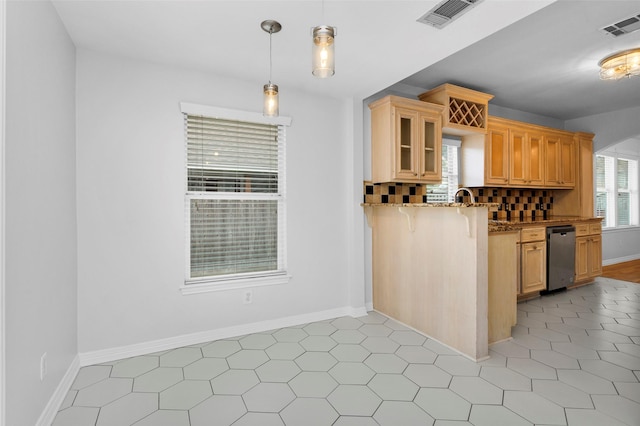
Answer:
(378, 42)
(538, 56)
(547, 63)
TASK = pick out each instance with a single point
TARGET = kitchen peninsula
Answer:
(430, 270)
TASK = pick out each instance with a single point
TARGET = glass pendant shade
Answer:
(323, 51)
(270, 107)
(621, 64)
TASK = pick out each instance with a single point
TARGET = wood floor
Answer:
(626, 271)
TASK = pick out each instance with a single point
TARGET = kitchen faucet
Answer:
(473, 199)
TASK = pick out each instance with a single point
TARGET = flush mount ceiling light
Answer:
(323, 63)
(270, 107)
(621, 64)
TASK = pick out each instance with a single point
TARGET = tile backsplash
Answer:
(394, 193)
(515, 204)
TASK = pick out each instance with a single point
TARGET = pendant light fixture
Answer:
(323, 50)
(270, 107)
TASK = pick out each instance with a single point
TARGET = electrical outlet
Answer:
(43, 366)
(247, 297)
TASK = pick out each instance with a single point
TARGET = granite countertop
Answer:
(489, 205)
(516, 224)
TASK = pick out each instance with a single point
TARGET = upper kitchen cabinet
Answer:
(526, 159)
(519, 155)
(406, 140)
(560, 161)
(497, 157)
(465, 110)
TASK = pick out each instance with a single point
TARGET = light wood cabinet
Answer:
(519, 155)
(594, 251)
(533, 260)
(526, 158)
(465, 110)
(560, 161)
(578, 200)
(582, 258)
(588, 251)
(406, 138)
(497, 156)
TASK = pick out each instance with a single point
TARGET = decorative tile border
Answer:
(515, 204)
(394, 193)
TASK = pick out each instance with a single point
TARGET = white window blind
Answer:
(235, 199)
(605, 196)
(617, 190)
(445, 191)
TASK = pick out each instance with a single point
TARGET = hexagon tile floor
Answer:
(574, 360)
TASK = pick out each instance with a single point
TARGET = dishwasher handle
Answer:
(562, 230)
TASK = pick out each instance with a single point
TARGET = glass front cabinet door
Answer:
(406, 140)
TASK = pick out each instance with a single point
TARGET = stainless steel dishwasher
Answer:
(561, 250)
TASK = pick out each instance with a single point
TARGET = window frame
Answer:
(450, 142)
(247, 279)
(612, 192)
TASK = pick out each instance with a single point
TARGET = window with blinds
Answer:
(235, 199)
(444, 191)
(617, 190)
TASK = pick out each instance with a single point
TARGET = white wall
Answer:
(527, 117)
(610, 129)
(41, 281)
(131, 236)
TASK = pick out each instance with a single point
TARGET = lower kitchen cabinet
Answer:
(534, 267)
(533, 258)
(588, 252)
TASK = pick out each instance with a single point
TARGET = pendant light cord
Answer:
(270, 60)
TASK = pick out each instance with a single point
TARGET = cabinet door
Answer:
(534, 156)
(582, 258)
(526, 150)
(567, 162)
(430, 146)
(406, 144)
(497, 156)
(518, 152)
(534, 267)
(595, 255)
(552, 163)
(560, 161)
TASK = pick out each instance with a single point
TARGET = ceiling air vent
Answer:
(623, 27)
(446, 12)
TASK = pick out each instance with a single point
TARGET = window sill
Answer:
(624, 228)
(209, 285)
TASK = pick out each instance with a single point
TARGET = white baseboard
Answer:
(369, 306)
(113, 354)
(607, 262)
(56, 400)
